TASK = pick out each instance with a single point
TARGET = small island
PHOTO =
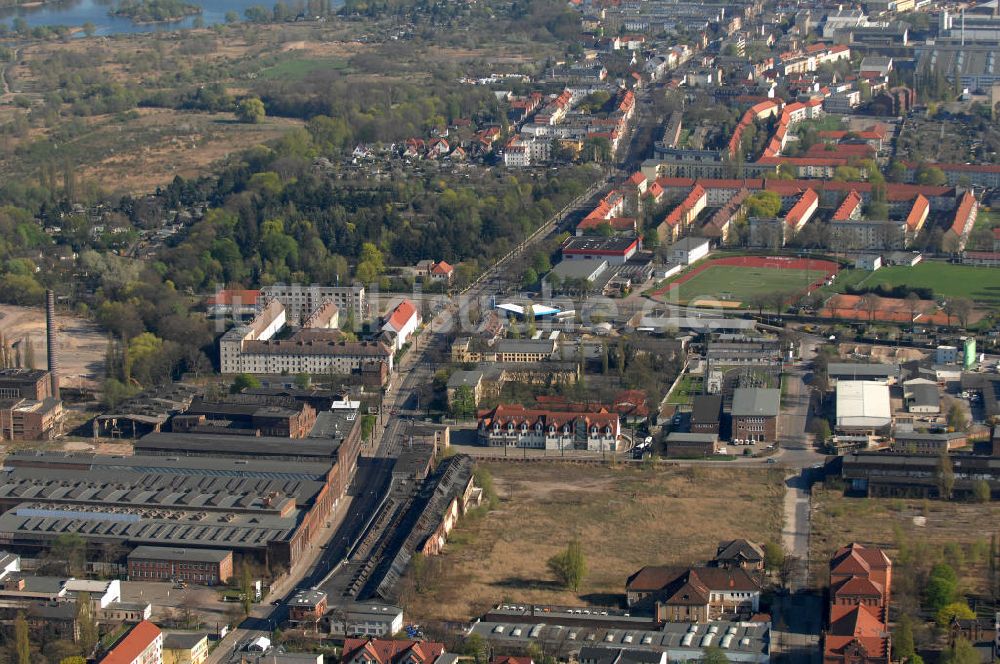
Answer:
(154, 11)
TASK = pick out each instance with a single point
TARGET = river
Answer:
(75, 13)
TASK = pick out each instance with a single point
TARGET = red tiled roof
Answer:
(918, 212)
(517, 414)
(804, 207)
(228, 296)
(856, 623)
(401, 315)
(996, 233)
(848, 206)
(871, 556)
(637, 178)
(442, 268)
(964, 213)
(385, 651)
(858, 585)
(133, 645)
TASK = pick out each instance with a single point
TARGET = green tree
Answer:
(981, 491)
(960, 653)
(476, 647)
(764, 204)
(941, 587)
(232, 17)
(957, 419)
(774, 556)
(87, 622)
(463, 403)
(569, 566)
(75, 659)
(250, 110)
(242, 382)
(303, 381)
(945, 476)
(713, 655)
(902, 638)
(89, 29)
(953, 611)
(22, 643)
(246, 588)
(930, 175)
(529, 278)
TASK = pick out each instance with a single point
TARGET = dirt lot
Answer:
(169, 143)
(625, 518)
(890, 523)
(82, 344)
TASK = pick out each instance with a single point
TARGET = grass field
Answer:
(890, 524)
(730, 283)
(687, 387)
(300, 68)
(625, 518)
(981, 284)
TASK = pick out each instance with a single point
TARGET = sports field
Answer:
(736, 281)
(980, 284)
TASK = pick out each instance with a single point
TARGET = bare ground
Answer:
(892, 523)
(625, 518)
(82, 345)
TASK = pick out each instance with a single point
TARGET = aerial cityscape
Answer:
(499, 332)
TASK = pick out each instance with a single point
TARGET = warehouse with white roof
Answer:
(863, 407)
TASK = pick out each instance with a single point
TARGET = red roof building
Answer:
(802, 211)
(402, 322)
(390, 651)
(860, 588)
(143, 644)
(513, 425)
(918, 214)
(849, 208)
(441, 271)
(964, 220)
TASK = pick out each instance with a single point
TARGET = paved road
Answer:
(798, 455)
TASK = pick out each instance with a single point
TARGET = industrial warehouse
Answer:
(214, 482)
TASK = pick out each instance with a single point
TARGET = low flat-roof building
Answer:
(207, 567)
(185, 648)
(691, 445)
(615, 250)
(248, 506)
(863, 407)
(566, 630)
(858, 371)
(307, 605)
(880, 474)
(367, 619)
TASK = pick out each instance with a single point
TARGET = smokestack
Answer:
(50, 342)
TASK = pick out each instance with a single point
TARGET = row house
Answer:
(513, 425)
(683, 216)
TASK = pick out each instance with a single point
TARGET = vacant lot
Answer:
(893, 523)
(625, 518)
(981, 284)
(82, 345)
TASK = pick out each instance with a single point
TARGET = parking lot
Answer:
(170, 602)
